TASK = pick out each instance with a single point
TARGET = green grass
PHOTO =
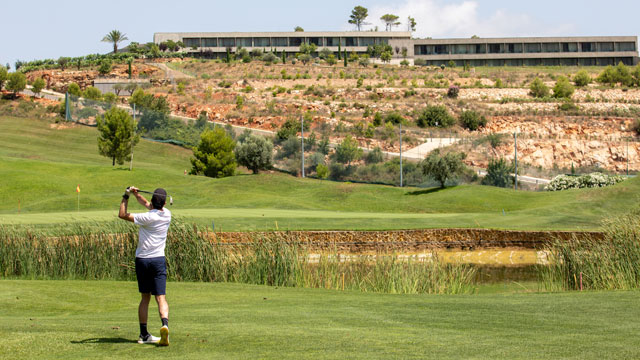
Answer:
(41, 166)
(79, 320)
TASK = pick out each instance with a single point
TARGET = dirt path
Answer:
(170, 73)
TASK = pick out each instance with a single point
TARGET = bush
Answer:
(92, 93)
(322, 171)
(105, 67)
(38, 85)
(568, 106)
(4, 74)
(563, 88)
(453, 92)
(16, 82)
(348, 151)
(582, 78)
(472, 120)
(637, 126)
(374, 156)
(255, 153)
(269, 58)
(593, 180)
(538, 89)
(616, 75)
(377, 119)
(498, 173)
(394, 118)
(435, 116)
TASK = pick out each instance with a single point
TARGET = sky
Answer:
(41, 29)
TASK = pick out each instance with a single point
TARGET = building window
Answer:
(626, 46)
(383, 41)
(420, 49)
(244, 42)
(351, 41)
(532, 48)
(191, 42)
(316, 40)
(587, 62)
(551, 47)
(588, 47)
(478, 49)
(366, 41)
(295, 41)
(227, 42)
(514, 48)
(333, 41)
(569, 62)
(209, 42)
(606, 61)
(569, 47)
(459, 49)
(496, 48)
(261, 42)
(532, 62)
(441, 49)
(513, 62)
(280, 41)
(605, 46)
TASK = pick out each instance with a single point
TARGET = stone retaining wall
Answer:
(409, 240)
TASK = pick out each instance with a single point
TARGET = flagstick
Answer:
(78, 201)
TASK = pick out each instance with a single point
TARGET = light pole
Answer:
(302, 141)
(134, 134)
(515, 147)
(627, 157)
(400, 154)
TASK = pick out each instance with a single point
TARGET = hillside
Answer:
(42, 163)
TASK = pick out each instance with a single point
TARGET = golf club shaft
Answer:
(149, 192)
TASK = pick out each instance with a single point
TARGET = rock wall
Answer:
(406, 240)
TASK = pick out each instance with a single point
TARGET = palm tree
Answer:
(115, 37)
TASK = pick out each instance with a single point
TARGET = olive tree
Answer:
(16, 82)
(348, 151)
(38, 85)
(443, 167)
(255, 153)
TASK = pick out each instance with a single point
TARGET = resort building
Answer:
(530, 51)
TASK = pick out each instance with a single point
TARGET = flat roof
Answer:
(418, 41)
(404, 34)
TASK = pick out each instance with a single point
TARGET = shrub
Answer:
(377, 119)
(582, 78)
(16, 82)
(472, 120)
(538, 89)
(374, 156)
(435, 116)
(616, 75)
(563, 88)
(4, 74)
(453, 92)
(105, 67)
(331, 60)
(394, 118)
(637, 126)
(568, 106)
(38, 85)
(269, 58)
(498, 173)
(322, 171)
(348, 151)
(593, 180)
(74, 89)
(239, 102)
(255, 153)
(92, 93)
(420, 62)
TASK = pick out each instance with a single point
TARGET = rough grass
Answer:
(41, 167)
(97, 319)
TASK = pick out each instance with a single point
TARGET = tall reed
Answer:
(609, 263)
(276, 259)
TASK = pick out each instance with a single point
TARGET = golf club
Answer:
(152, 193)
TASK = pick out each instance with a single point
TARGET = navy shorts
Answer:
(152, 275)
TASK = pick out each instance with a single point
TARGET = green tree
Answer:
(322, 171)
(563, 88)
(435, 116)
(331, 60)
(635, 74)
(4, 74)
(255, 153)
(374, 156)
(16, 82)
(348, 151)
(386, 56)
(390, 21)
(63, 62)
(298, 29)
(394, 118)
(538, 89)
(213, 157)
(115, 37)
(105, 67)
(357, 17)
(411, 24)
(324, 53)
(117, 135)
(305, 58)
(74, 89)
(38, 85)
(323, 145)
(377, 119)
(582, 78)
(443, 168)
(498, 173)
(308, 48)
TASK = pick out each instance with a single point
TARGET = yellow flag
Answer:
(78, 188)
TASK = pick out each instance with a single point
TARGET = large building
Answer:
(531, 51)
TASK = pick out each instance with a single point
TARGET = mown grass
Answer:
(41, 166)
(97, 319)
(276, 259)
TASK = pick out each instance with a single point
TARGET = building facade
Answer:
(531, 51)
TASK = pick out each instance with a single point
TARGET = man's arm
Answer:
(123, 214)
(141, 198)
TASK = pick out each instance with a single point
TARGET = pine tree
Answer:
(339, 52)
(117, 135)
(346, 62)
(284, 57)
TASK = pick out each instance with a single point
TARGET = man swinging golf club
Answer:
(151, 269)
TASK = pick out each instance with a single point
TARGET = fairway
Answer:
(97, 319)
(42, 163)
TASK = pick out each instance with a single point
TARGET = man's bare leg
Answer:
(163, 309)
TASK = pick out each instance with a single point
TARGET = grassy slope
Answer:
(41, 167)
(75, 319)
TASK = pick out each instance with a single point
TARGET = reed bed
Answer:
(277, 259)
(592, 263)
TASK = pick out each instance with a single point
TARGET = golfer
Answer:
(151, 269)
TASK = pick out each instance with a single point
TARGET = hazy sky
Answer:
(41, 29)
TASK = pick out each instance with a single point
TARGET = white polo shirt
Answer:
(153, 232)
